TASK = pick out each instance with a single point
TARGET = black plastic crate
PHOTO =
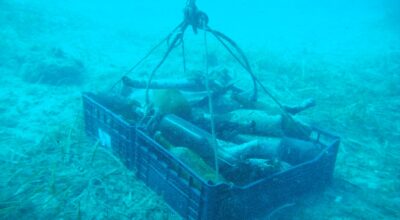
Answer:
(111, 130)
(190, 195)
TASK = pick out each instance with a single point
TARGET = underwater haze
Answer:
(343, 54)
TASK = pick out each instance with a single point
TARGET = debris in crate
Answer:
(188, 156)
(129, 109)
(252, 143)
(171, 101)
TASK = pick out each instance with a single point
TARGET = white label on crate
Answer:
(105, 138)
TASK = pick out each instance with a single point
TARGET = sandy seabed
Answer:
(51, 170)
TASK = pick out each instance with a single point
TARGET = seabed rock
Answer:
(54, 68)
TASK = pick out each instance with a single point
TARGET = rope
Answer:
(245, 65)
(151, 51)
(183, 56)
(211, 109)
(170, 48)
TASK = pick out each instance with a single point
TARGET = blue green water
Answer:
(344, 54)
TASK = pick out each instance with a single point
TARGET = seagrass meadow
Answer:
(343, 54)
